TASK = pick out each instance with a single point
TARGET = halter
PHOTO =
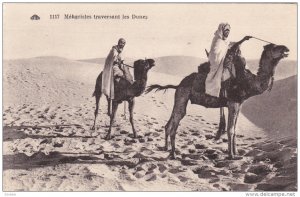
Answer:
(132, 66)
(147, 63)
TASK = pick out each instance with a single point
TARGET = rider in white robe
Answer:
(218, 50)
(217, 54)
(111, 69)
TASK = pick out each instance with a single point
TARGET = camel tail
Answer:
(159, 88)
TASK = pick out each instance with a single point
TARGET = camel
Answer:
(124, 91)
(237, 91)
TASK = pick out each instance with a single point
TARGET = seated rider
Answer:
(114, 69)
(217, 54)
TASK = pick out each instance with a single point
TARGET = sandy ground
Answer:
(48, 144)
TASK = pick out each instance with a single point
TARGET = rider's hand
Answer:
(247, 37)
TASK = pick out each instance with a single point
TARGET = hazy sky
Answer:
(170, 28)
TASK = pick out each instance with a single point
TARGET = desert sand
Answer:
(48, 144)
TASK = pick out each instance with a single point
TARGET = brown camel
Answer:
(124, 91)
(237, 90)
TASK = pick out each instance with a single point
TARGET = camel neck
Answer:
(266, 68)
(265, 74)
(140, 85)
(142, 82)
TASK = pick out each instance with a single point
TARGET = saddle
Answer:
(124, 73)
(235, 65)
(233, 62)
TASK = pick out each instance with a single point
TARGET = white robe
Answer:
(107, 75)
(219, 48)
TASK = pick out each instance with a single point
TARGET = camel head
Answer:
(276, 52)
(270, 57)
(141, 68)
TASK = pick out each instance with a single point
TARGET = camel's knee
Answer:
(96, 112)
(166, 131)
(130, 116)
(167, 127)
(173, 135)
(170, 125)
(230, 134)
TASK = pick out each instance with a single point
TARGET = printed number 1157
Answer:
(54, 16)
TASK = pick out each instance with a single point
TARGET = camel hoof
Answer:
(230, 157)
(172, 156)
(108, 137)
(217, 137)
(218, 141)
(234, 158)
(219, 134)
(237, 158)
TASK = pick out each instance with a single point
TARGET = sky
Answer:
(170, 28)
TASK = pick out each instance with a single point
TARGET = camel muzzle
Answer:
(285, 53)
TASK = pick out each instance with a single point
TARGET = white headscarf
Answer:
(220, 31)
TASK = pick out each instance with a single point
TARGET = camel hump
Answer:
(204, 68)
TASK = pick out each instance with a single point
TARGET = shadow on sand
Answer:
(22, 161)
(15, 132)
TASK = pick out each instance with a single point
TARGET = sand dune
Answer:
(284, 69)
(48, 80)
(277, 109)
(184, 65)
(178, 65)
(48, 144)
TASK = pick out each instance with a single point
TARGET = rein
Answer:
(270, 85)
(262, 40)
(128, 65)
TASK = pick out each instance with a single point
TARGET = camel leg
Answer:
(97, 96)
(130, 107)
(222, 121)
(112, 117)
(235, 152)
(108, 106)
(233, 109)
(97, 93)
(222, 124)
(167, 131)
(179, 111)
